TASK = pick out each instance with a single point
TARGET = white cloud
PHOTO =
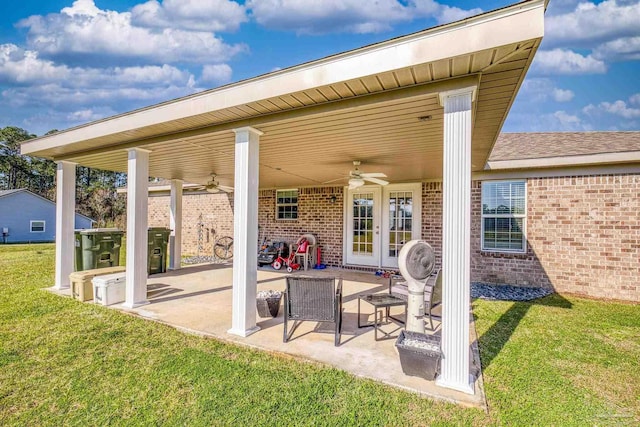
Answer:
(568, 121)
(314, 17)
(608, 20)
(23, 67)
(620, 108)
(541, 89)
(562, 95)
(348, 16)
(623, 49)
(195, 15)
(564, 61)
(218, 73)
(625, 112)
(83, 30)
(448, 14)
(83, 116)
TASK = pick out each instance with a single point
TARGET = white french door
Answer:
(379, 220)
(363, 226)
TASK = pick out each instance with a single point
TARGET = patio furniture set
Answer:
(319, 299)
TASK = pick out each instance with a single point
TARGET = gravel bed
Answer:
(203, 259)
(269, 294)
(424, 345)
(507, 292)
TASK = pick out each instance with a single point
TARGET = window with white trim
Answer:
(286, 204)
(37, 226)
(504, 216)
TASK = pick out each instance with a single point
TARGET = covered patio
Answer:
(426, 106)
(197, 299)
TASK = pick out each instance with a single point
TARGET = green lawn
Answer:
(555, 361)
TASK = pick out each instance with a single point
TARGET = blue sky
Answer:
(65, 62)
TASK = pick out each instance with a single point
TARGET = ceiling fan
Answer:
(213, 186)
(357, 178)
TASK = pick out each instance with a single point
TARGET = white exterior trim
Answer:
(556, 172)
(44, 225)
(525, 22)
(456, 243)
(137, 234)
(548, 162)
(65, 221)
(175, 224)
(524, 216)
(245, 232)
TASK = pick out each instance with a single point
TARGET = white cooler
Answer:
(109, 289)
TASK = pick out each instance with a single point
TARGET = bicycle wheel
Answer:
(223, 248)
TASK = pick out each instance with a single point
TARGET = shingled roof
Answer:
(518, 146)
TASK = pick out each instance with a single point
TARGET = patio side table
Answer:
(379, 301)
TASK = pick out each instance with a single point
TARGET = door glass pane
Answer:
(363, 224)
(400, 217)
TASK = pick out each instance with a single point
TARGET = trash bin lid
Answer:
(100, 231)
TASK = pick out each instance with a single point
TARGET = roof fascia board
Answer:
(16, 191)
(558, 172)
(522, 21)
(587, 159)
(406, 93)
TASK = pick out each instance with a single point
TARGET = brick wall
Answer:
(583, 236)
(319, 212)
(204, 215)
(583, 232)
(432, 217)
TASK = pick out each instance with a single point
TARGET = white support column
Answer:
(137, 231)
(65, 222)
(175, 224)
(456, 233)
(245, 232)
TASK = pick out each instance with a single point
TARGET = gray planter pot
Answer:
(420, 354)
(268, 306)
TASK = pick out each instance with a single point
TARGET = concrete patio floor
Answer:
(197, 299)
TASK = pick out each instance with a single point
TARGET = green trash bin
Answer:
(97, 248)
(157, 251)
(77, 259)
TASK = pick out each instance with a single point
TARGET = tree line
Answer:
(96, 195)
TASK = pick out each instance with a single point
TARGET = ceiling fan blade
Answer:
(354, 186)
(334, 180)
(375, 180)
(373, 175)
(225, 188)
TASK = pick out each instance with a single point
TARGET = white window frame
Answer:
(287, 204)
(44, 225)
(522, 216)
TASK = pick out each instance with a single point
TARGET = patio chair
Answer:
(308, 257)
(432, 292)
(316, 299)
